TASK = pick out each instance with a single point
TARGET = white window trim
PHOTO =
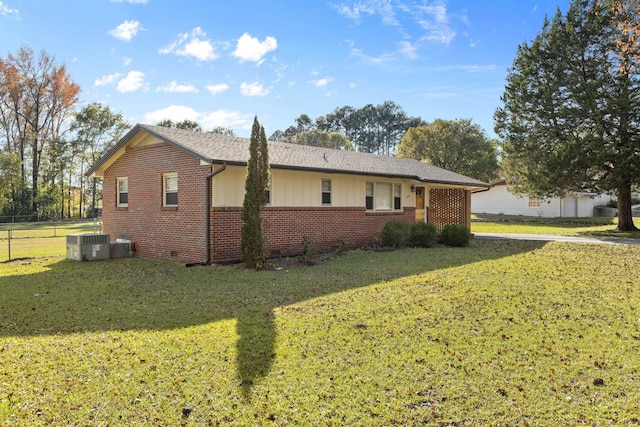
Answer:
(393, 198)
(118, 192)
(322, 192)
(270, 190)
(393, 186)
(164, 188)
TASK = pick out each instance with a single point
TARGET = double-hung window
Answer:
(170, 189)
(267, 194)
(383, 196)
(397, 197)
(326, 191)
(122, 192)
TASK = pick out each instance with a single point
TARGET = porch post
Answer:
(467, 209)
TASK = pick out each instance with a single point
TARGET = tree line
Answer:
(371, 129)
(46, 143)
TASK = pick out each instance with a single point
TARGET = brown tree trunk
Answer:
(625, 216)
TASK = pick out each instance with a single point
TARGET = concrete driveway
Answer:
(553, 238)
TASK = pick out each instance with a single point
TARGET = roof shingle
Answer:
(216, 148)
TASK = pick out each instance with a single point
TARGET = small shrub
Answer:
(423, 234)
(308, 250)
(455, 235)
(395, 234)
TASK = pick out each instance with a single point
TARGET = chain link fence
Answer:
(40, 239)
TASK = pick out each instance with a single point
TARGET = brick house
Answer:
(177, 194)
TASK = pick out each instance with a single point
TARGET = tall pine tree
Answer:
(571, 114)
(252, 240)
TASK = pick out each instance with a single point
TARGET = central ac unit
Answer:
(88, 247)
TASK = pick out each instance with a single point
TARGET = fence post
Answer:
(9, 244)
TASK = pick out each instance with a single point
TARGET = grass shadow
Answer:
(67, 297)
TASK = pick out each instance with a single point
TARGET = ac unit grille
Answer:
(87, 239)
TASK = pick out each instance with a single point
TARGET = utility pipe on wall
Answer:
(207, 233)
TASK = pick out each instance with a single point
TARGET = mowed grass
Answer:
(596, 227)
(36, 240)
(498, 333)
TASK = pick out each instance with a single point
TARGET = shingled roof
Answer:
(216, 148)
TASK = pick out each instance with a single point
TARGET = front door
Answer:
(420, 204)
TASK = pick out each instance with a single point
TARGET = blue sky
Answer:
(223, 62)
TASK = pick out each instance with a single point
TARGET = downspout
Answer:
(207, 220)
(207, 233)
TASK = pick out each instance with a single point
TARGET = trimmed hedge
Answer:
(455, 235)
(423, 234)
(395, 234)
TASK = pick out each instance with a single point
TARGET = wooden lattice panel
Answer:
(446, 206)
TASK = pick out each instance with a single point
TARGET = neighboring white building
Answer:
(498, 200)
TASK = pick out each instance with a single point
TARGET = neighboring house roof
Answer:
(505, 181)
(216, 148)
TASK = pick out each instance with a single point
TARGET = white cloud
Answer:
(126, 31)
(280, 72)
(106, 79)
(251, 49)
(385, 9)
(436, 25)
(126, 61)
(176, 87)
(253, 89)
(375, 60)
(208, 120)
(435, 20)
(216, 89)
(133, 81)
(192, 44)
(408, 49)
(356, 10)
(322, 82)
(224, 118)
(7, 11)
(176, 113)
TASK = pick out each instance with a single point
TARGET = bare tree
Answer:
(36, 99)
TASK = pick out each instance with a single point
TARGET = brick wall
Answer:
(449, 206)
(284, 228)
(165, 233)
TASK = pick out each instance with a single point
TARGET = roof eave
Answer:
(125, 140)
(176, 144)
(478, 185)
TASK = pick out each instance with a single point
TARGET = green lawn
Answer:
(596, 227)
(498, 333)
(35, 240)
